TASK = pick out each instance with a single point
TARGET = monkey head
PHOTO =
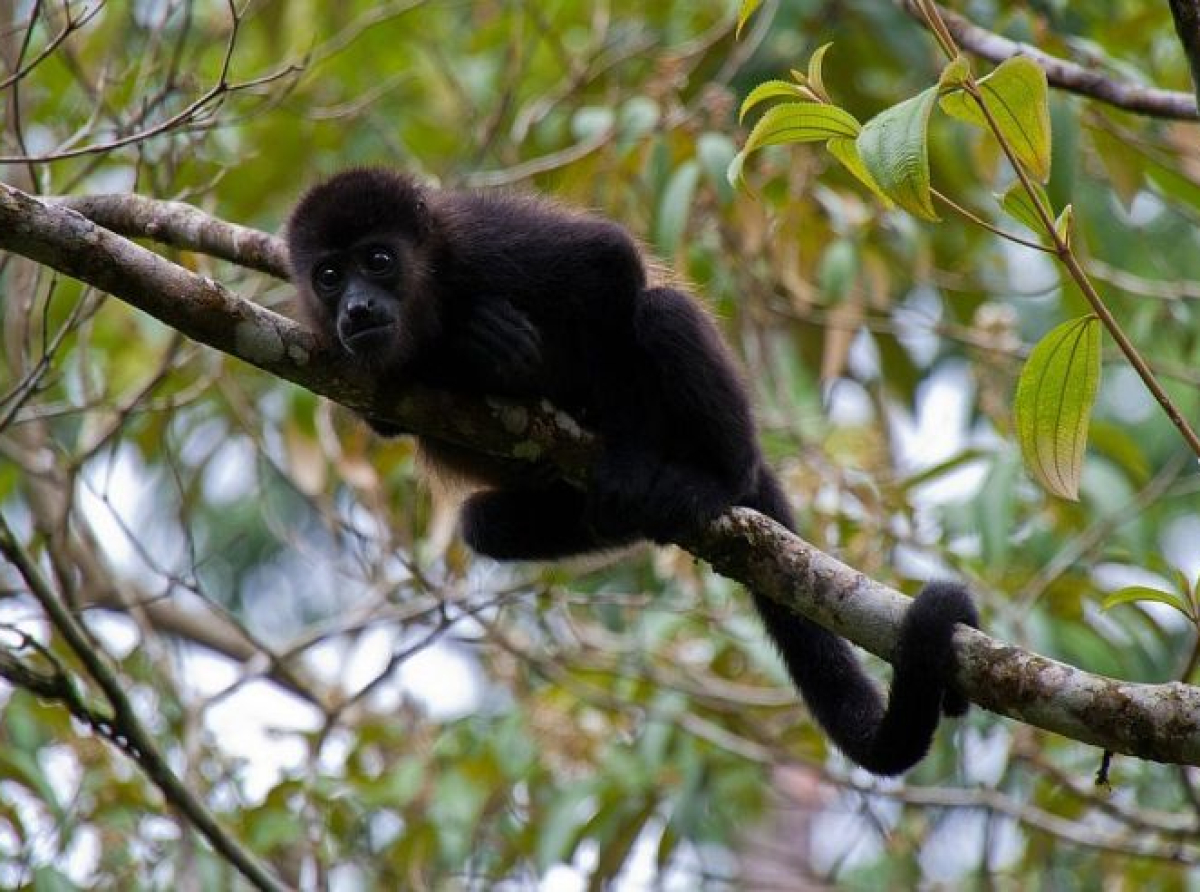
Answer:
(360, 246)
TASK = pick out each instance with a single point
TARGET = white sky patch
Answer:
(937, 429)
(847, 403)
(258, 722)
(1114, 576)
(1181, 545)
(1145, 208)
(119, 634)
(936, 432)
(1032, 273)
(954, 847)
(1124, 396)
(443, 680)
(231, 473)
(916, 319)
(111, 491)
(863, 358)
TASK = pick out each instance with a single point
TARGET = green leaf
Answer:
(1017, 96)
(569, 808)
(815, 80)
(715, 152)
(636, 119)
(592, 121)
(995, 509)
(838, 269)
(668, 843)
(1018, 204)
(744, 12)
(675, 207)
(1123, 163)
(775, 89)
(801, 122)
(1062, 226)
(1126, 451)
(1134, 593)
(23, 768)
(1055, 394)
(794, 122)
(893, 146)
(615, 849)
(49, 879)
(846, 151)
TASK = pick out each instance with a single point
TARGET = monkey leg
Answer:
(531, 524)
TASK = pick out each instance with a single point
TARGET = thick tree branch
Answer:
(1066, 75)
(1158, 722)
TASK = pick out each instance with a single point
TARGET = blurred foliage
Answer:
(556, 727)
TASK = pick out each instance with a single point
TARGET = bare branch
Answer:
(126, 726)
(70, 26)
(183, 226)
(1063, 74)
(54, 684)
(197, 113)
(1158, 722)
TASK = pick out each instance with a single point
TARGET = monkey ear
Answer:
(424, 217)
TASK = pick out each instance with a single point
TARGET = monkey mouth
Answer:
(368, 340)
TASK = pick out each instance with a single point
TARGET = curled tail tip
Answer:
(944, 601)
(955, 704)
(940, 605)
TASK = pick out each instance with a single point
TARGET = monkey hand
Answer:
(500, 343)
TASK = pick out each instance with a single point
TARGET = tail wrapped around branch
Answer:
(884, 737)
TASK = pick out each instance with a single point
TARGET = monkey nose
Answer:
(361, 310)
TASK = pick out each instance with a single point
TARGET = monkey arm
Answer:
(499, 345)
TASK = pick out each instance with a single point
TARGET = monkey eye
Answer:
(379, 261)
(327, 277)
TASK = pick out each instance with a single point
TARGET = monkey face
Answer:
(360, 246)
(361, 293)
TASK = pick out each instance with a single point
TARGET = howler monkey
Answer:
(507, 295)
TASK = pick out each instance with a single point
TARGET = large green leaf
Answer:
(775, 89)
(893, 146)
(795, 122)
(1017, 96)
(801, 122)
(1055, 394)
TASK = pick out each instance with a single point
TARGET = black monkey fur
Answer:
(498, 294)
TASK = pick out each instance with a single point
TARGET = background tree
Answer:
(285, 624)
